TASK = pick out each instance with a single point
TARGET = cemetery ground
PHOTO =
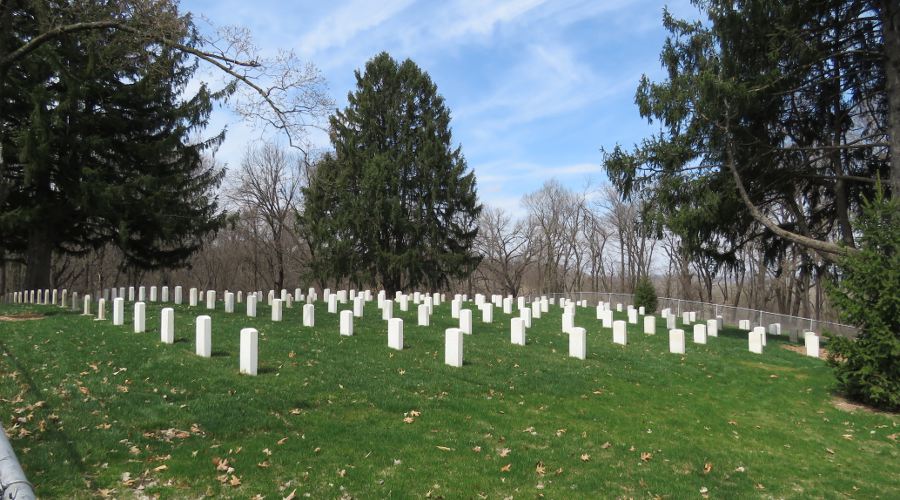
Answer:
(97, 410)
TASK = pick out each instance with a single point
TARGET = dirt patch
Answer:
(801, 349)
(22, 317)
(850, 406)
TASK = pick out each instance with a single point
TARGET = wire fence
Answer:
(794, 326)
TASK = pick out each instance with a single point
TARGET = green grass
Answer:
(325, 416)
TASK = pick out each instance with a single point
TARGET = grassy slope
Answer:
(340, 402)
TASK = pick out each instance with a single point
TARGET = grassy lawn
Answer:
(100, 410)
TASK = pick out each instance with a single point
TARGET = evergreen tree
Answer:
(868, 295)
(645, 295)
(394, 204)
(97, 147)
(775, 119)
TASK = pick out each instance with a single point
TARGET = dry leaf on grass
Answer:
(282, 441)
(707, 468)
(506, 468)
(585, 457)
(540, 469)
(605, 445)
(646, 456)
(504, 452)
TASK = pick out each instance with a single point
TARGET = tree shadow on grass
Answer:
(220, 354)
(54, 433)
(265, 370)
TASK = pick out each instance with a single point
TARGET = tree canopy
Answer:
(395, 203)
(775, 120)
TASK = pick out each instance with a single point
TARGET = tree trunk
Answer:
(38, 257)
(890, 19)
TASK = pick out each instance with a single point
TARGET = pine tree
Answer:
(394, 204)
(98, 150)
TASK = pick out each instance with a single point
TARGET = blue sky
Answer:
(535, 87)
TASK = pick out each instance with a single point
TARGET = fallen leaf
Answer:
(605, 445)
(506, 468)
(234, 481)
(282, 441)
(740, 469)
(707, 468)
(267, 451)
(476, 449)
(296, 411)
(342, 472)
(646, 456)
(830, 451)
(408, 420)
(291, 496)
(161, 468)
(540, 469)
(444, 448)
(414, 413)
(264, 464)
(585, 457)
(504, 452)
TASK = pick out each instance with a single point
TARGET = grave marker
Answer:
(676, 341)
(395, 333)
(347, 323)
(517, 331)
(699, 333)
(465, 321)
(578, 343)
(309, 315)
(453, 347)
(167, 326)
(251, 305)
(204, 336)
(140, 317)
(812, 344)
(620, 333)
(276, 309)
(249, 351)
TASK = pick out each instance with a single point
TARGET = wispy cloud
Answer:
(344, 24)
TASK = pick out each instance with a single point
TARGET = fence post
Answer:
(13, 483)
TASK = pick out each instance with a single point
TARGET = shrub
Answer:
(645, 295)
(867, 294)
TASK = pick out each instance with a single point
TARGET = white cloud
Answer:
(347, 22)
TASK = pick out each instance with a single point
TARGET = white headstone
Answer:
(517, 331)
(153, 294)
(712, 328)
(404, 302)
(347, 323)
(142, 294)
(620, 333)
(812, 344)
(332, 304)
(536, 309)
(101, 309)
(239, 297)
(720, 321)
(755, 339)
(167, 326)
(276, 309)
(686, 318)
(670, 321)
(87, 305)
(251, 305)
(309, 315)
(465, 321)
(387, 309)
(455, 306)
(775, 329)
(229, 302)
(211, 299)
(453, 347)
(249, 351)
(140, 317)
(164, 292)
(507, 305)
(699, 333)
(619, 307)
(632, 316)
(118, 311)
(578, 343)
(525, 314)
(487, 313)
(192, 297)
(53, 299)
(424, 317)
(642, 310)
(178, 297)
(650, 325)
(568, 321)
(395, 333)
(744, 324)
(676, 341)
(204, 336)
(358, 306)
(693, 316)
(607, 318)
